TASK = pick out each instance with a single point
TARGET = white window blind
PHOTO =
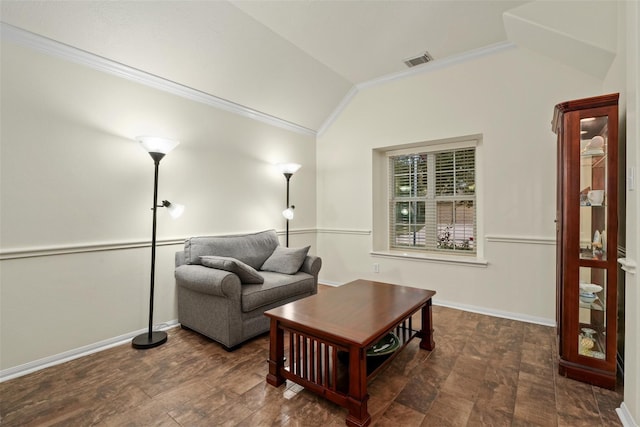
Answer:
(432, 203)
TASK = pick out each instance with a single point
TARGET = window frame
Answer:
(381, 244)
(430, 199)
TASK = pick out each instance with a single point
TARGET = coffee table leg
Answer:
(276, 355)
(426, 333)
(358, 397)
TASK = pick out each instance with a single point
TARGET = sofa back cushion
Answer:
(252, 249)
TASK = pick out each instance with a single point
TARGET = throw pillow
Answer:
(246, 273)
(285, 260)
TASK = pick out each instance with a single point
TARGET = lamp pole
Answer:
(288, 169)
(152, 339)
(157, 147)
(288, 177)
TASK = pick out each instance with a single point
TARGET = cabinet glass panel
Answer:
(592, 312)
(593, 184)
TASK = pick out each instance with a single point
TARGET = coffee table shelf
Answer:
(309, 355)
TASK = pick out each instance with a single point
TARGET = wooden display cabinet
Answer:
(586, 232)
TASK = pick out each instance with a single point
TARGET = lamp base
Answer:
(142, 341)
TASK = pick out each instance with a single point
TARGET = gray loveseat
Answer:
(225, 284)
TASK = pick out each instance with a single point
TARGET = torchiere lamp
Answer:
(288, 169)
(157, 148)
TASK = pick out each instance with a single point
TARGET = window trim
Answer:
(432, 257)
(381, 216)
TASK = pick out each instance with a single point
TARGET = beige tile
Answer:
(535, 404)
(418, 395)
(482, 415)
(400, 415)
(453, 409)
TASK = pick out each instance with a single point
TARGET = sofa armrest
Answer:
(312, 265)
(180, 258)
(208, 280)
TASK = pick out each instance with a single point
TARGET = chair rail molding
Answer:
(342, 231)
(527, 240)
(42, 251)
(34, 252)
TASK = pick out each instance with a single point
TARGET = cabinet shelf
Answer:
(593, 154)
(592, 258)
(596, 305)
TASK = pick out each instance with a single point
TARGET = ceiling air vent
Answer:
(422, 59)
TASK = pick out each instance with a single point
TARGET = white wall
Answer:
(508, 98)
(74, 180)
(625, 73)
(624, 76)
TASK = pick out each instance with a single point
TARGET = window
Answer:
(432, 200)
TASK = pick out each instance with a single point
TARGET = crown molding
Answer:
(438, 64)
(72, 54)
(346, 100)
(420, 69)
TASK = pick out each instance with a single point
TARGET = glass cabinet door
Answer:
(592, 287)
(593, 184)
(592, 316)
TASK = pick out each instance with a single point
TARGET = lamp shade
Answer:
(288, 213)
(175, 210)
(156, 144)
(289, 168)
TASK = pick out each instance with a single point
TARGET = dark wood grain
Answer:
(349, 315)
(567, 124)
(347, 320)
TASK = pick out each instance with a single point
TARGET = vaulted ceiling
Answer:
(291, 59)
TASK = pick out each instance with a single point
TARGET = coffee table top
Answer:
(354, 313)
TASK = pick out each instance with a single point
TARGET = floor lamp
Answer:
(157, 148)
(288, 169)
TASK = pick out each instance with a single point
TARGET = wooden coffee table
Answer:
(328, 336)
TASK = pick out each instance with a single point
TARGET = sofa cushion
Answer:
(252, 249)
(246, 273)
(285, 260)
(276, 288)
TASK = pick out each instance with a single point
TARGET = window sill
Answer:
(446, 259)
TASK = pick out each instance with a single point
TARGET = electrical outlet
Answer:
(376, 268)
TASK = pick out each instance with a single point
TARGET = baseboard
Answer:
(497, 313)
(625, 416)
(329, 283)
(36, 365)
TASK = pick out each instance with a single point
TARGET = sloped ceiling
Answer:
(294, 60)
(582, 34)
(362, 41)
